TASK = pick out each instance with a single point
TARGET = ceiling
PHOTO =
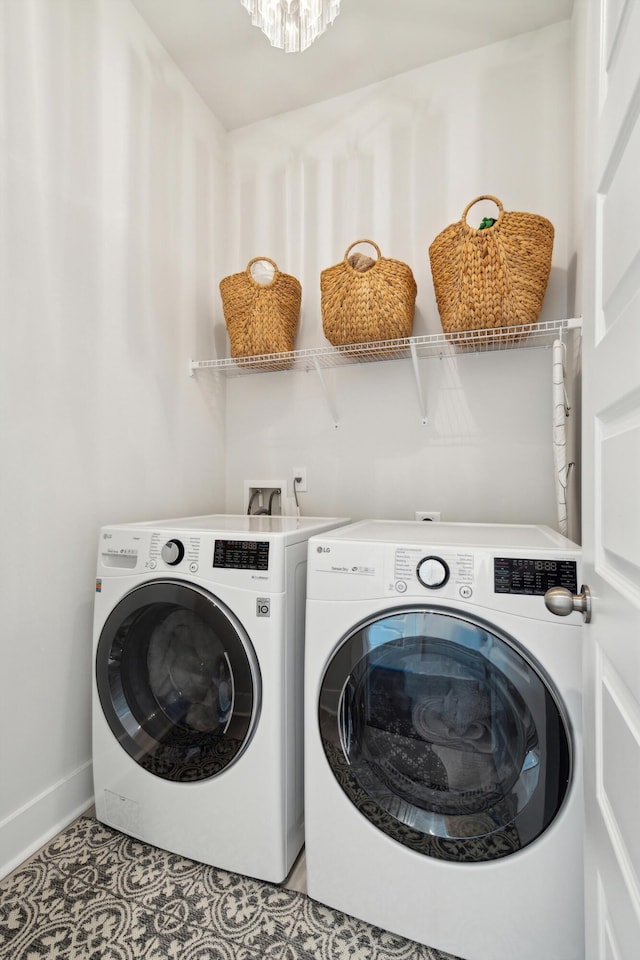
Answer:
(243, 79)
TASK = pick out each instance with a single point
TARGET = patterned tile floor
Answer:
(95, 894)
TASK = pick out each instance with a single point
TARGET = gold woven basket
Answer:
(493, 277)
(261, 318)
(365, 300)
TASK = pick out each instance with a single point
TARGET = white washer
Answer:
(443, 767)
(197, 692)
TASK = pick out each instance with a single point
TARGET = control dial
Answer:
(172, 552)
(432, 572)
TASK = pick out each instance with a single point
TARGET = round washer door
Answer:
(445, 735)
(178, 681)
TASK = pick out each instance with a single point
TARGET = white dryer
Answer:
(197, 692)
(443, 764)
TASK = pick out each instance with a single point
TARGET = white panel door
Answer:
(611, 452)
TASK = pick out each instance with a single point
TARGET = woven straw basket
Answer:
(365, 300)
(490, 278)
(261, 318)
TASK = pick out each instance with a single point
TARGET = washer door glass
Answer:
(178, 681)
(445, 735)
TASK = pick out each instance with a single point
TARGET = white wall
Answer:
(111, 197)
(397, 162)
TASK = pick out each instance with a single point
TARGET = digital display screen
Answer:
(241, 554)
(534, 577)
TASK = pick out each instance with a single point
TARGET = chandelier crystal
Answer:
(292, 25)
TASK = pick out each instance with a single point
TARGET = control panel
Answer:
(241, 554)
(533, 577)
(496, 578)
(241, 560)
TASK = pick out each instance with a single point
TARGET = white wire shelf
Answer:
(415, 348)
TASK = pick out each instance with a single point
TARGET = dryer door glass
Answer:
(445, 735)
(178, 681)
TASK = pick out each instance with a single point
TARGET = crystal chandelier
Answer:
(292, 25)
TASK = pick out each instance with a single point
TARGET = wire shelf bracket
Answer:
(416, 373)
(327, 395)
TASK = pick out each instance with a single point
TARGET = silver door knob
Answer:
(562, 602)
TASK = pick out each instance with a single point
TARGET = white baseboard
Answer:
(27, 829)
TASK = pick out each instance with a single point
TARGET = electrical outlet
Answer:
(427, 514)
(302, 473)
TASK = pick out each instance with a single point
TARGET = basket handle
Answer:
(262, 260)
(355, 244)
(485, 196)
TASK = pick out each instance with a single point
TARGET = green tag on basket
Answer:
(486, 222)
